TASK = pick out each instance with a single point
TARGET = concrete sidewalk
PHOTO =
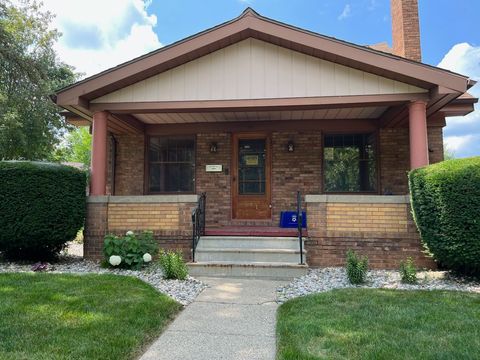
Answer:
(232, 319)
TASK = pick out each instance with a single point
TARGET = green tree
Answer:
(77, 147)
(30, 123)
(448, 154)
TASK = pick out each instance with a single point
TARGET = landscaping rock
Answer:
(321, 280)
(183, 291)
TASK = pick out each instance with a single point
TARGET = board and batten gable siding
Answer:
(254, 69)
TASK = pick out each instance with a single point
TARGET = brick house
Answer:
(252, 111)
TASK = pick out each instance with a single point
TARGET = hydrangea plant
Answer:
(131, 251)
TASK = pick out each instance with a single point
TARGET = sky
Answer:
(119, 30)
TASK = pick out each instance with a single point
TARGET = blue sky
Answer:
(122, 29)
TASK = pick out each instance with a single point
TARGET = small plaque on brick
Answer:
(213, 168)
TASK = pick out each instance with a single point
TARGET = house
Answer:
(251, 112)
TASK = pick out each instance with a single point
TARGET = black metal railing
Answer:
(198, 222)
(300, 225)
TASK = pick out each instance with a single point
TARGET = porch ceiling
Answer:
(371, 112)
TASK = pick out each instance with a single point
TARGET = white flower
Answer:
(115, 260)
(147, 257)
(129, 233)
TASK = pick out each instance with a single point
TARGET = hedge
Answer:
(42, 206)
(446, 208)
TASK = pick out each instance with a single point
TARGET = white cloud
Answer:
(93, 41)
(457, 143)
(462, 133)
(347, 10)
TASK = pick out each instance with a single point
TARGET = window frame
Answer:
(376, 134)
(146, 179)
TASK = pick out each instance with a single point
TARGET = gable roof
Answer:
(251, 24)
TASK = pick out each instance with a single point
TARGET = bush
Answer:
(356, 268)
(131, 251)
(446, 209)
(173, 265)
(408, 271)
(42, 206)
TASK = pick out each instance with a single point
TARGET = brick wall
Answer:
(394, 160)
(216, 185)
(95, 230)
(351, 217)
(435, 144)
(129, 166)
(293, 171)
(170, 223)
(155, 217)
(406, 29)
(385, 233)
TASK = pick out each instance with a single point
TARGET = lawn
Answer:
(55, 316)
(380, 324)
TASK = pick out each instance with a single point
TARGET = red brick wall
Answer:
(293, 171)
(385, 247)
(435, 144)
(216, 185)
(170, 223)
(406, 29)
(129, 165)
(394, 160)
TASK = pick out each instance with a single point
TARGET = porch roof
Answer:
(442, 87)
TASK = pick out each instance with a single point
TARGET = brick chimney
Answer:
(406, 29)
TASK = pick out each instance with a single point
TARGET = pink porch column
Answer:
(418, 134)
(98, 179)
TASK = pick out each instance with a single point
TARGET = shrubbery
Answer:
(408, 271)
(173, 265)
(131, 251)
(42, 206)
(357, 268)
(446, 209)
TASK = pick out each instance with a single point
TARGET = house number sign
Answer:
(213, 168)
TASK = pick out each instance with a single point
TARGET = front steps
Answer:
(248, 256)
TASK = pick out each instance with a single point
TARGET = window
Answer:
(350, 163)
(171, 164)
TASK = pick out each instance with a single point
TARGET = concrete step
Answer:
(258, 255)
(274, 271)
(249, 242)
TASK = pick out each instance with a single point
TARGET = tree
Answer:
(77, 147)
(448, 154)
(30, 123)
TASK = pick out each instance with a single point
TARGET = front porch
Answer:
(250, 112)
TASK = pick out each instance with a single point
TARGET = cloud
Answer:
(462, 133)
(347, 10)
(93, 41)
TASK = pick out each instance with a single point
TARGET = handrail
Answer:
(300, 225)
(198, 222)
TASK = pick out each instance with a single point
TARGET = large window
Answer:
(171, 164)
(350, 163)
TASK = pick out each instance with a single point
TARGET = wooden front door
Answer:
(251, 168)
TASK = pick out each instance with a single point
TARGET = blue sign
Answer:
(289, 219)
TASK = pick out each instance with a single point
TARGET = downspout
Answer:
(113, 144)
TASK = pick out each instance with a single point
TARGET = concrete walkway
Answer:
(232, 319)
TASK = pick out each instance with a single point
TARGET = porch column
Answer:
(418, 134)
(98, 179)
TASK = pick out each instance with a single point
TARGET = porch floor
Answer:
(272, 231)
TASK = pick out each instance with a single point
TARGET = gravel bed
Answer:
(182, 291)
(321, 280)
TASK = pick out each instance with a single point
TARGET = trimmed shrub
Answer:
(42, 206)
(173, 265)
(357, 268)
(446, 208)
(131, 251)
(408, 271)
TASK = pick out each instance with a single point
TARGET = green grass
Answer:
(55, 316)
(380, 324)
